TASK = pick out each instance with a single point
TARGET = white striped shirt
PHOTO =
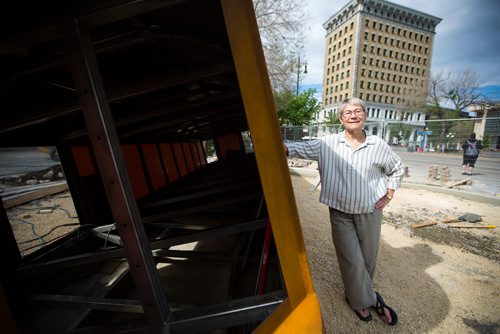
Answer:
(352, 181)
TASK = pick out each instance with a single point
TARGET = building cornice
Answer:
(386, 10)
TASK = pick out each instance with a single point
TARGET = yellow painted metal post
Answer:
(273, 169)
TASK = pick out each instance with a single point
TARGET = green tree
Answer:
(296, 110)
(459, 90)
(486, 141)
(332, 119)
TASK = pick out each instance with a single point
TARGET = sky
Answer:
(468, 37)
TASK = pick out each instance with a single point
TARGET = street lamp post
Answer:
(299, 66)
(449, 137)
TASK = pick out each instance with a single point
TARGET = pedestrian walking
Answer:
(472, 148)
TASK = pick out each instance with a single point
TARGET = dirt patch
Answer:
(40, 222)
(438, 280)
(53, 173)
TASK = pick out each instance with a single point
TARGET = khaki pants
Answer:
(356, 238)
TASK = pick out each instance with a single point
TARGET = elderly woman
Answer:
(359, 174)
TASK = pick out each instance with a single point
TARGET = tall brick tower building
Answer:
(380, 52)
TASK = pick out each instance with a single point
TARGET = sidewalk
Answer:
(414, 182)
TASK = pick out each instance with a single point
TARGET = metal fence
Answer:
(430, 135)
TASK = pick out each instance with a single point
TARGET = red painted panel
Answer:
(154, 166)
(83, 160)
(179, 157)
(135, 170)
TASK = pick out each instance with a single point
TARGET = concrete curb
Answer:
(471, 196)
(454, 192)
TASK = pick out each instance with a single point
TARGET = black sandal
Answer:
(379, 308)
(360, 317)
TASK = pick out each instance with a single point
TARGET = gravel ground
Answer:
(438, 279)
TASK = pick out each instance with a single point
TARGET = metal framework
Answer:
(130, 93)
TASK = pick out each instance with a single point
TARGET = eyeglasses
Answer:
(349, 113)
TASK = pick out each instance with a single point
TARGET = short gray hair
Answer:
(353, 101)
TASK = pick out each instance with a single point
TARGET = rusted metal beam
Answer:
(109, 159)
(137, 89)
(206, 234)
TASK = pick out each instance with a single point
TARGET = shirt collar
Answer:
(370, 139)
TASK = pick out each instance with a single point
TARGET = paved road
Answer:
(485, 176)
(19, 161)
